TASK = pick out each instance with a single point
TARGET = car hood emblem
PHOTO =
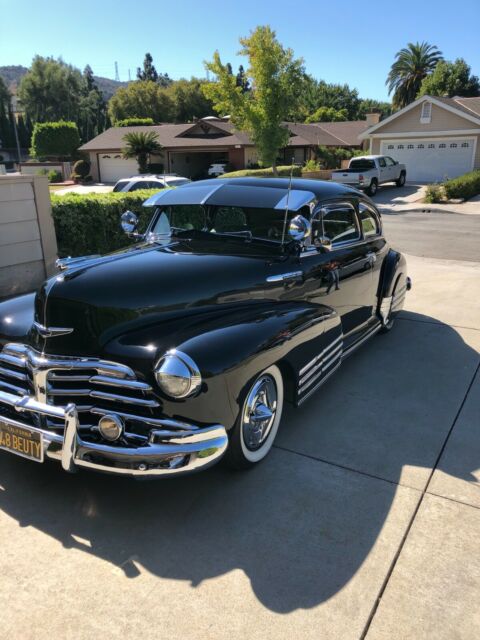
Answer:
(51, 332)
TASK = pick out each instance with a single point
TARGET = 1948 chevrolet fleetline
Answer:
(159, 359)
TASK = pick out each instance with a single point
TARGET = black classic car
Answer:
(159, 359)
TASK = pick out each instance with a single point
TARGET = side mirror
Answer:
(299, 229)
(129, 222)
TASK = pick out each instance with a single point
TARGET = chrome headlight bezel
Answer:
(176, 364)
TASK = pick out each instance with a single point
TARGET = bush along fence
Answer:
(282, 171)
(87, 224)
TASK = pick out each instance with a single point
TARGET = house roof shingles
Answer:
(223, 134)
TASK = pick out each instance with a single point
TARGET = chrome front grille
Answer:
(95, 386)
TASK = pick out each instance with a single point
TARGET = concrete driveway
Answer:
(391, 196)
(362, 523)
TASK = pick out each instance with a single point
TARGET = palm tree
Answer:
(411, 65)
(140, 145)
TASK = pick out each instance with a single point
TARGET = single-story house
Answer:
(189, 149)
(434, 137)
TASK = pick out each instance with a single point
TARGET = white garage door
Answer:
(113, 167)
(432, 160)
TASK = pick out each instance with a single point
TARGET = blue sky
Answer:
(346, 41)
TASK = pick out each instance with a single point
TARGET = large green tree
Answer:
(92, 118)
(140, 145)
(149, 72)
(142, 99)
(275, 78)
(188, 100)
(451, 79)
(51, 91)
(328, 114)
(7, 138)
(368, 105)
(412, 64)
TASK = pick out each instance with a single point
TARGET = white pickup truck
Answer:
(368, 172)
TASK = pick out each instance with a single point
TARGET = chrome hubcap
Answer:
(259, 413)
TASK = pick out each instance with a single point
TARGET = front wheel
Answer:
(254, 432)
(401, 180)
(372, 189)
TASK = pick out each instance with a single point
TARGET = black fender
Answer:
(394, 281)
(394, 267)
(291, 335)
(16, 318)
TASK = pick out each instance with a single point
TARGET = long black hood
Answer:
(144, 286)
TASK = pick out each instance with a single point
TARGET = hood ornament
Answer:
(51, 332)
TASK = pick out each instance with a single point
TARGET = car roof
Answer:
(252, 192)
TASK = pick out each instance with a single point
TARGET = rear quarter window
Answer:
(362, 163)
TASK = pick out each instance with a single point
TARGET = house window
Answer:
(400, 146)
(390, 146)
(431, 146)
(453, 145)
(409, 146)
(426, 114)
(465, 145)
(442, 146)
(420, 146)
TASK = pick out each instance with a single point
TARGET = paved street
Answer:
(363, 523)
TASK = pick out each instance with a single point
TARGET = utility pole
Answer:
(117, 77)
(129, 77)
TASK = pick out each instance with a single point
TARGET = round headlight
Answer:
(177, 375)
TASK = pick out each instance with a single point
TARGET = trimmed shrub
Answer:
(81, 168)
(54, 139)
(465, 186)
(311, 165)
(434, 193)
(54, 176)
(135, 122)
(263, 173)
(90, 223)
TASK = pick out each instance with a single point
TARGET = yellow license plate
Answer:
(22, 441)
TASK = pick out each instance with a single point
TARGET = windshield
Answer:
(264, 224)
(120, 185)
(362, 163)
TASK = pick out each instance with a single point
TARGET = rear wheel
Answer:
(401, 181)
(373, 188)
(253, 435)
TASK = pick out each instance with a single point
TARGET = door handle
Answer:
(286, 277)
(372, 257)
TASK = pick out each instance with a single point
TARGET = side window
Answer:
(368, 220)
(338, 223)
(389, 161)
(136, 186)
(381, 162)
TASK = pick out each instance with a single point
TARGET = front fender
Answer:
(286, 334)
(16, 318)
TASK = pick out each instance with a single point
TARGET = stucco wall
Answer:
(28, 245)
(441, 120)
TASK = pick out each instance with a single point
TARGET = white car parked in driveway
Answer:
(148, 181)
(368, 172)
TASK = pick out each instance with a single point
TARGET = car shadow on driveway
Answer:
(301, 524)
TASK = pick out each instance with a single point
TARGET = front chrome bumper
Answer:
(174, 449)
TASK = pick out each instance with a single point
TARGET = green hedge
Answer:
(54, 139)
(263, 173)
(465, 186)
(90, 223)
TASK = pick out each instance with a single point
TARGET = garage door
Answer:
(432, 160)
(113, 167)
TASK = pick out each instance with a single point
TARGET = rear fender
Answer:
(393, 280)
